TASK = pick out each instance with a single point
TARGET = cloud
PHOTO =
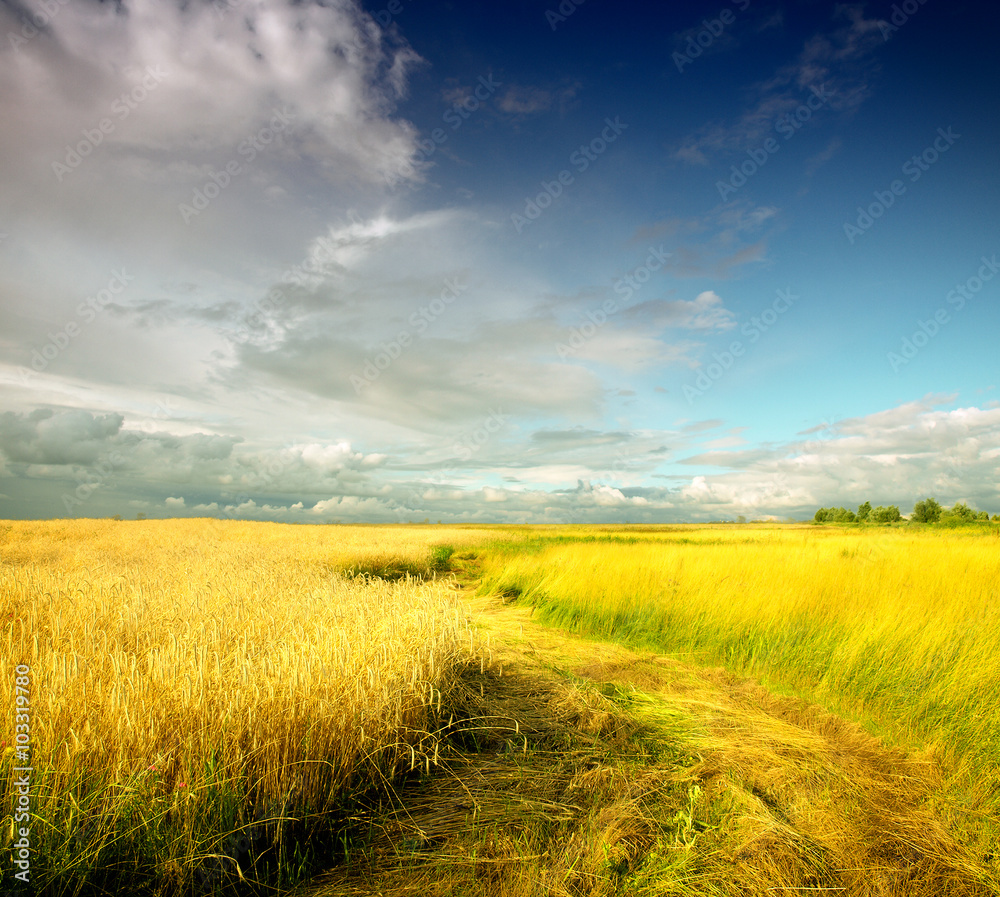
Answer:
(715, 244)
(705, 312)
(202, 83)
(524, 100)
(821, 158)
(894, 456)
(577, 437)
(381, 322)
(346, 249)
(328, 457)
(840, 63)
(221, 78)
(44, 437)
(411, 323)
(54, 445)
(604, 496)
(271, 100)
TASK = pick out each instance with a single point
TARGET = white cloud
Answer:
(220, 78)
(895, 456)
(344, 248)
(525, 100)
(327, 457)
(352, 507)
(706, 312)
(44, 437)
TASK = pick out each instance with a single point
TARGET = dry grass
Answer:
(550, 799)
(193, 677)
(204, 690)
(684, 782)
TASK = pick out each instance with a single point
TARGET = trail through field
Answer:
(631, 773)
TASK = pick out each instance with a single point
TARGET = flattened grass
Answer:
(899, 628)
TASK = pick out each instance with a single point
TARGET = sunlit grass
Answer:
(192, 679)
(200, 687)
(894, 626)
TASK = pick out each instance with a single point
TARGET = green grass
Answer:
(896, 628)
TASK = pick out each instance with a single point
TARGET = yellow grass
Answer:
(188, 676)
(899, 627)
(195, 681)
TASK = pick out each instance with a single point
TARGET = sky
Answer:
(523, 262)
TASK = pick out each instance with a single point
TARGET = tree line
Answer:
(926, 511)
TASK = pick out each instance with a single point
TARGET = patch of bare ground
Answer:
(582, 768)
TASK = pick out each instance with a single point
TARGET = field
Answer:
(896, 627)
(217, 706)
(191, 679)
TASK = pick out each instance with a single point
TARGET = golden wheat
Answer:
(173, 659)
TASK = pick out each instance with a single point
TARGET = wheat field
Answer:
(192, 677)
(205, 690)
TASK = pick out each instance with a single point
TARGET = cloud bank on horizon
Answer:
(333, 261)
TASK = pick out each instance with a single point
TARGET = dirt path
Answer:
(627, 773)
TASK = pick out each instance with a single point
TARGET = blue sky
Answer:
(530, 262)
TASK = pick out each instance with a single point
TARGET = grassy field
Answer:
(193, 682)
(213, 701)
(896, 627)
